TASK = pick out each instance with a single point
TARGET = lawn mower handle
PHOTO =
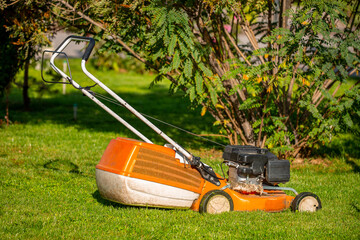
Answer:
(61, 48)
(205, 170)
(86, 55)
(72, 37)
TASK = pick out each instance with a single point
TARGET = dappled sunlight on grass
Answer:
(48, 188)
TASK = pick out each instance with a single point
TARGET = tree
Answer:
(9, 59)
(9, 64)
(279, 88)
(28, 26)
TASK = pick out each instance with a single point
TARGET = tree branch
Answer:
(262, 119)
(290, 88)
(238, 51)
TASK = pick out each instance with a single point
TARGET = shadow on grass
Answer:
(355, 207)
(159, 104)
(62, 165)
(108, 203)
(343, 145)
(356, 168)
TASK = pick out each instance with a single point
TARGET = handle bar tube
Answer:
(136, 113)
(84, 90)
(113, 94)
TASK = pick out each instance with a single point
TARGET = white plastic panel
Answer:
(133, 191)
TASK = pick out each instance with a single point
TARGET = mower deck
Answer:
(132, 172)
(138, 192)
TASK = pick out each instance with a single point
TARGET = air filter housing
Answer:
(256, 164)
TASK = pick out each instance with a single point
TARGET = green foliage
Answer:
(172, 46)
(107, 60)
(280, 90)
(285, 87)
(29, 24)
(310, 50)
(26, 27)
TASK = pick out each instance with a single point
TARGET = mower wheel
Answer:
(306, 202)
(216, 201)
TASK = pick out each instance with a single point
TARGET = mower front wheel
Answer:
(306, 202)
(216, 201)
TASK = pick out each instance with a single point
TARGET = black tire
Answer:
(216, 201)
(306, 202)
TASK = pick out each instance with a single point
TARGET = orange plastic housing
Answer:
(154, 163)
(151, 162)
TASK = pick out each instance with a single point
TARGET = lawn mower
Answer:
(141, 173)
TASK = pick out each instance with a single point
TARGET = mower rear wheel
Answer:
(306, 202)
(216, 201)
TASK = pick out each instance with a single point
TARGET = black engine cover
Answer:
(254, 161)
(277, 171)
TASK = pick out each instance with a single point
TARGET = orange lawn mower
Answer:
(140, 173)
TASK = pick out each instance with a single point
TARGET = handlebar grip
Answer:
(88, 49)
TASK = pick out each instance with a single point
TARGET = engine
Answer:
(250, 167)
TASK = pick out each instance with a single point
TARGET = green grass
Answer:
(48, 187)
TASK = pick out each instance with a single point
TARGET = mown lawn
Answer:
(48, 188)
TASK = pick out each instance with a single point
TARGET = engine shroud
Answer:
(250, 166)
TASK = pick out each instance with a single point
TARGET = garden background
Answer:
(48, 157)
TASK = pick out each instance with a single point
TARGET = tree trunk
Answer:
(7, 90)
(25, 92)
(284, 20)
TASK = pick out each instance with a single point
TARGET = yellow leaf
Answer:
(266, 55)
(203, 111)
(270, 145)
(357, 72)
(216, 123)
(219, 106)
(279, 37)
(304, 23)
(305, 82)
(226, 122)
(259, 79)
(245, 77)
(269, 89)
